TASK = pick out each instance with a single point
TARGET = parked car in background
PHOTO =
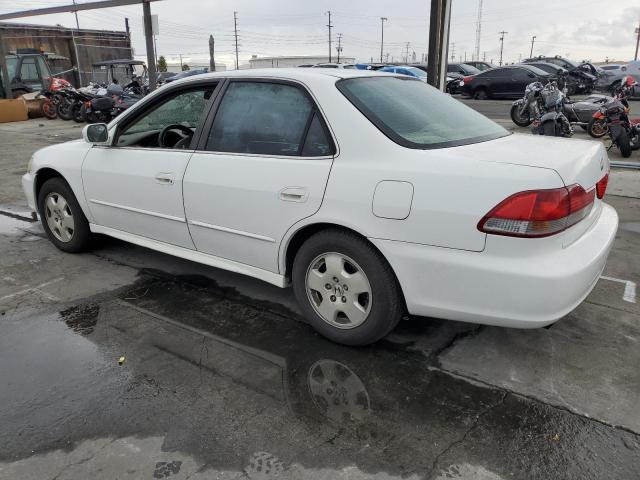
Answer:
(334, 65)
(406, 70)
(585, 74)
(502, 82)
(187, 73)
(461, 69)
(482, 66)
(613, 75)
(572, 82)
(387, 226)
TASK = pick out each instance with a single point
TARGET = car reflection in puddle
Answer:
(223, 377)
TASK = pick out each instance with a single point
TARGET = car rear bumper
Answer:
(29, 192)
(518, 289)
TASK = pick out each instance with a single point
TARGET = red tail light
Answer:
(467, 79)
(601, 186)
(539, 213)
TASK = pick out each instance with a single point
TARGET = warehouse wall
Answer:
(92, 45)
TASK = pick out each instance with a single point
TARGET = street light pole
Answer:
(502, 34)
(533, 40)
(382, 20)
(637, 42)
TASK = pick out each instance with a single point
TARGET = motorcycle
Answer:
(52, 99)
(623, 134)
(554, 122)
(531, 107)
(626, 88)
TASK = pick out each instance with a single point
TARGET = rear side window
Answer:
(268, 119)
(416, 115)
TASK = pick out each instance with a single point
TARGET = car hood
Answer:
(576, 161)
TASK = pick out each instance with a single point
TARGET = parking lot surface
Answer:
(127, 363)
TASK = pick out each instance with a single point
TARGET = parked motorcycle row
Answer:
(95, 103)
(549, 111)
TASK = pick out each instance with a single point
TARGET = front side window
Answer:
(170, 123)
(12, 63)
(262, 118)
(416, 115)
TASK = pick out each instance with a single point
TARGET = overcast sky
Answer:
(578, 29)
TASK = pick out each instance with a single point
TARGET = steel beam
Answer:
(438, 43)
(71, 8)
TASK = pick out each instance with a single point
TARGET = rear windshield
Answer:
(416, 115)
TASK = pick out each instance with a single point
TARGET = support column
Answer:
(438, 43)
(6, 81)
(151, 57)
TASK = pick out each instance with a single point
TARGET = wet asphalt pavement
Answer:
(220, 378)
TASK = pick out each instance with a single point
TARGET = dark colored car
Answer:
(482, 66)
(462, 69)
(573, 83)
(584, 74)
(502, 82)
(187, 73)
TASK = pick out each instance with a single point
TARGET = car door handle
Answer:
(293, 194)
(165, 178)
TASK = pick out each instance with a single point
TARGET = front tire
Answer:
(519, 120)
(62, 218)
(346, 288)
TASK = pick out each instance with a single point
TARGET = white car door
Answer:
(262, 166)
(135, 186)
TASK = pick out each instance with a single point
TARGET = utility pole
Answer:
(76, 14)
(502, 34)
(212, 59)
(637, 41)
(330, 27)
(453, 51)
(126, 27)
(382, 20)
(406, 57)
(476, 55)
(235, 33)
(533, 40)
(339, 47)
(484, 57)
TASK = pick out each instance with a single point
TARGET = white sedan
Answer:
(372, 194)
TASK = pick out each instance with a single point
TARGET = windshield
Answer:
(537, 71)
(416, 115)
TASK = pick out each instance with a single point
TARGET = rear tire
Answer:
(78, 112)
(64, 109)
(62, 218)
(517, 119)
(49, 110)
(364, 312)
(481, 94)
(549, 129)
(623, 143)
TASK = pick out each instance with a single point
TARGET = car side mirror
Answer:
(96, 133)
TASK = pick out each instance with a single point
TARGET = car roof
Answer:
(294, 73)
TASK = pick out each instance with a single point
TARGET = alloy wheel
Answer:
(59, 217)
(338, 290)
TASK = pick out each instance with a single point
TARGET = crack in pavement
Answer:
(462, 439)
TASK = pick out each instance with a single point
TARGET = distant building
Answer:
(293, 61)
(69, 47)
(176, 67)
